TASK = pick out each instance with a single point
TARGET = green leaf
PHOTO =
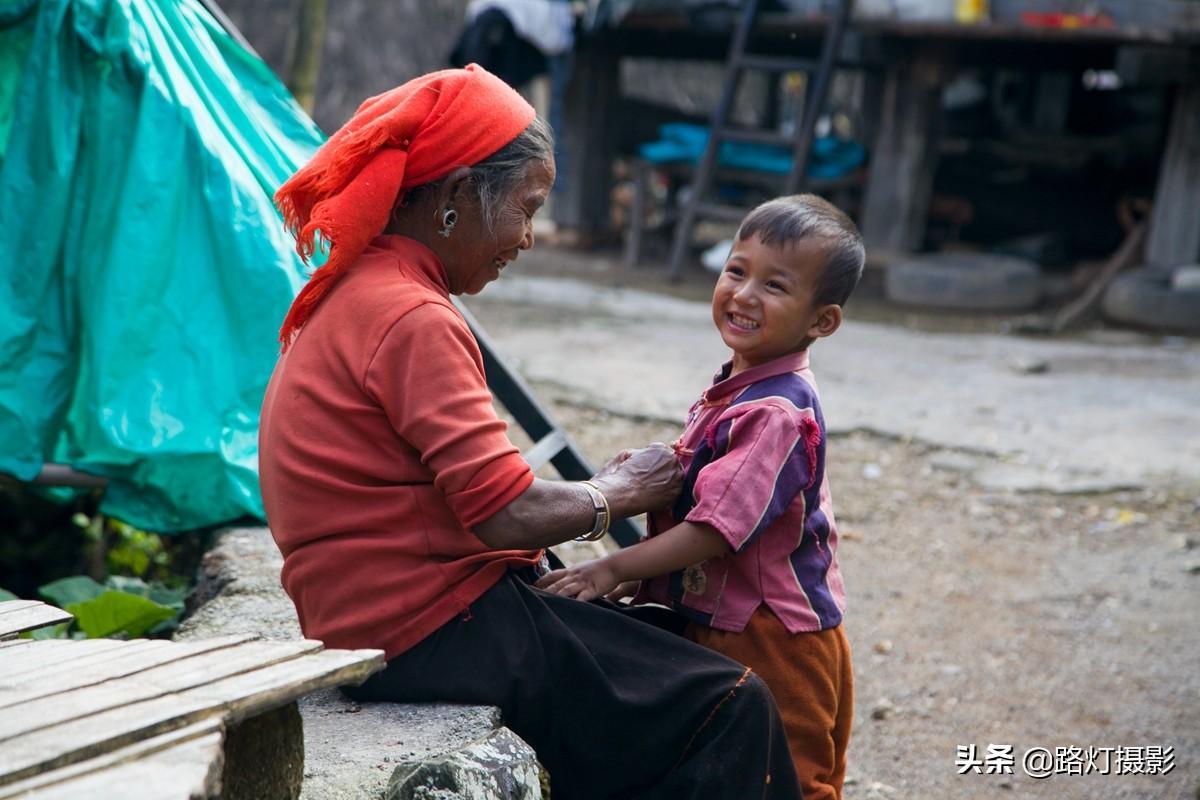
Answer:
(58, 631)
(119, 613)
(130, 585)
(167, 596)
(163, 595)
(65, 591)
(7, 595)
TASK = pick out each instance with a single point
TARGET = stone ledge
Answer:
(376, 750)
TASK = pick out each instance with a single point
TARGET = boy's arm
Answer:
(686, 544)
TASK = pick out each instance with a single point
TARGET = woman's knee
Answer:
(755, 694)
(753, 704)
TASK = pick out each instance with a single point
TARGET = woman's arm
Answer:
(686, 544)
(550, 512)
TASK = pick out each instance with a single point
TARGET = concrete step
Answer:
(375, 750)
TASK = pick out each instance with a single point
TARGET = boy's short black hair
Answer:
(786, 220)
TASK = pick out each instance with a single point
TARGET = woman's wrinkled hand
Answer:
(646, 479)
(585, 581)
(613, 465)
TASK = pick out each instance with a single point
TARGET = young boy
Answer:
(748, 554)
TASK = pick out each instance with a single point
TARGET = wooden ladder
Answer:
(820, 75)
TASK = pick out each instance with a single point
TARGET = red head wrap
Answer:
(414, 134)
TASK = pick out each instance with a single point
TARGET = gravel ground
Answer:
(977, 618)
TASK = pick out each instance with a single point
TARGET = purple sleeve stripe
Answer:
(789, 388)
(736, 493)
(810, 567)
(792, 477)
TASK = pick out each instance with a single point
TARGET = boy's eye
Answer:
(734, 270)
(775, 286)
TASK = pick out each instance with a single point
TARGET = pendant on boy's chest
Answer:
(694, 579)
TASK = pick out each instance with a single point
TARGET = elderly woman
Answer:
(408, 521)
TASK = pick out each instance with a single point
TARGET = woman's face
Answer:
(473, 254)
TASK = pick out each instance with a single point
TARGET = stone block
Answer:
(348, 751)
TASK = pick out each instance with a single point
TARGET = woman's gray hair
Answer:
(496, 176)
(503, 171)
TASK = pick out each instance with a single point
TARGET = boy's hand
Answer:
(623, 590)
(585, 581)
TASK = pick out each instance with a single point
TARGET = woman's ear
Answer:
(453, 190)
(827, 320)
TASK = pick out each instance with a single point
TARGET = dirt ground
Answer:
(976, 617)
(1030, 620)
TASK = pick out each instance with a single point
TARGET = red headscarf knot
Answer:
(407, 137)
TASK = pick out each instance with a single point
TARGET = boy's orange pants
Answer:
(811, 678)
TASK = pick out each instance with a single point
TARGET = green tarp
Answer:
(144, 269)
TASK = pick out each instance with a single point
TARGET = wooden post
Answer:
(1175, 222)
(904, 155)
(264, 756)
(306, 55)
(592, 99)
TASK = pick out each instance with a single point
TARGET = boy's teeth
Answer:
(743, 322)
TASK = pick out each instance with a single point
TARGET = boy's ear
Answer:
(826, 322)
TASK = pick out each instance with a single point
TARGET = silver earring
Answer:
(449, 220)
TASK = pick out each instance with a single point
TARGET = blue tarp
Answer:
(145, 269)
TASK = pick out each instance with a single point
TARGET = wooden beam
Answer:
(17, 616)
(62, 475)
(182, 763)
(78, 725)
(57, 673)
(904, 156)
(1175, 222)
(589, 141)
(1156, 66)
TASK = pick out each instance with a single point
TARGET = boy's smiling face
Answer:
(763, 304)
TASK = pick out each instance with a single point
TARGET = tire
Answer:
(1145, 297)
(972, 281)
(1186, 279)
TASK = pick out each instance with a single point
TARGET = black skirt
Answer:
(615, 705)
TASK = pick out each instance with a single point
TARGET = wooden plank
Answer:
(904, 156)
(545, 449)
(41, 664)
(132, 658)
(74, 656)
(189, 671)
(48, 651)
(235, 698)
(283, 683)
(190, 771)
(1125, 257)
(589, 139)
(8, 644)
(196, 750)
(17, 605)
(1174, 237)
(1156, 66)
(39, 615)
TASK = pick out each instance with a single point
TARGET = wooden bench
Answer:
(18, 616)
(156, 719)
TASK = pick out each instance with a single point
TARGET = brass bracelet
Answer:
(602, 511)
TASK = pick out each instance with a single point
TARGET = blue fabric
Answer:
(145, 269)
(681, 141)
